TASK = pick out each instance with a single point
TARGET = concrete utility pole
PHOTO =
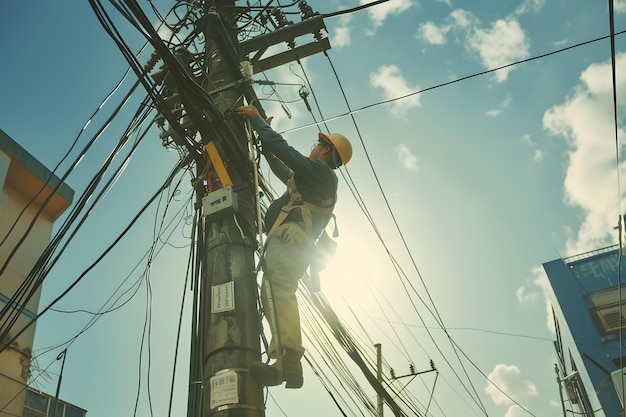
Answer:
(228, 320)
(379, 377)
(226, 328)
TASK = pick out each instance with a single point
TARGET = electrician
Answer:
(293, 223)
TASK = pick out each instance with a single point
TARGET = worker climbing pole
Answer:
(208, 111)
(203, 122)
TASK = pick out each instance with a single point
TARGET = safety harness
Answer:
(306, 209)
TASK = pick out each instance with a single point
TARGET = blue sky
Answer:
(486, 178)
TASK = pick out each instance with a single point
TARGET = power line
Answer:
(444, 84)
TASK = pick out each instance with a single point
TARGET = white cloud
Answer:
(529, 6)
(436, 34)
(497, 111)
(504, 43)
(619, 6)
(379, 13)
(530, 292)
(585, 121)
(463, 18)
(433, 34)
(524, 296)
(508, 379)
(538, 154)
(394, 85)
(341, 34)
(406, 157)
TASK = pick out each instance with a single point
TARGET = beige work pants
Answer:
(287, 255)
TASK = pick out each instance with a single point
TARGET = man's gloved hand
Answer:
(250, 112)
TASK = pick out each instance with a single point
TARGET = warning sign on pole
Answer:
(223, 297)
(224, 389)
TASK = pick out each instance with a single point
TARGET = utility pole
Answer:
(379, 376)
(228, 320)
(226, 327)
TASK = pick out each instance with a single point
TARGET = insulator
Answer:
(305, 10)
(393, 373)
(152, 61)
(432, 365)
(412, 369)
(279, 17)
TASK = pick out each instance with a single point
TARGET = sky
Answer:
(471, 179)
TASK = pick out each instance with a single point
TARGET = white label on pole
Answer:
(223, 297)
(224, 389)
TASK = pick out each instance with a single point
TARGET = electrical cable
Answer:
(64, 157)
(621, 226)
(73, 339)
(444, 84)
(351, 111)
(188, 274)
(354, 9)
(105, 252)
(345, 98)
(116, 305)
(370, 219)
(43, 265)
(40, 270)
(438, 317)
(476, 398)
(98, 315)
(74, 164)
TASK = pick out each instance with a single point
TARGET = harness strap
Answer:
(306, 208)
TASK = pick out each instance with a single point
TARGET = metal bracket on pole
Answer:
(261, 44)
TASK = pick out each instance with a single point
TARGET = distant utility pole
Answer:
(226, 326)
(379, 376)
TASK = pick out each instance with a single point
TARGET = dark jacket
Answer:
(315, 180)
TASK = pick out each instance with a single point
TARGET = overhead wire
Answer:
(44, 264)
(358, 109)
(444, 84)
(478, 399)
(188, 275)
(147, 326)
(63, 158)
(355, 192)
(113, 300)
(351, 112)
(178, 167)
(621, 216)
(436, 314)
(90, 323)
(18, 299)
(354, 9)
(321, 339)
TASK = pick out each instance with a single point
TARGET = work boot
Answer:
(268, 375)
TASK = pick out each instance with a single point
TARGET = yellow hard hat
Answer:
(342, 146)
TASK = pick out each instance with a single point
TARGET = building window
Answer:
(36, 401)
(609, 310)
(73, 411)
